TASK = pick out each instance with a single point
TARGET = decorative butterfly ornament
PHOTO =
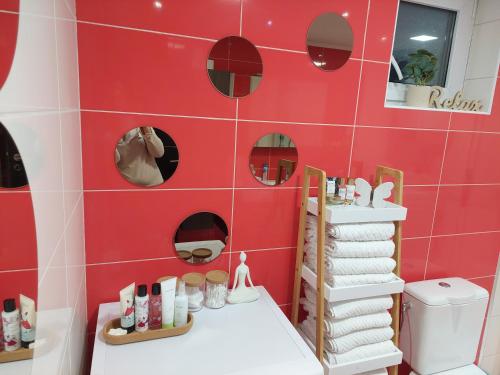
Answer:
(376, 196)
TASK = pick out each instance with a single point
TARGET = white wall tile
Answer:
(487, 10)
(492, 338)
(491, 364)
(67, 58)
(32, 81)
(78, 333)
(495, 300)
(480, 89)
(484, 51)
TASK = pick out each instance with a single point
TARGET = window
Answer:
(424, 27)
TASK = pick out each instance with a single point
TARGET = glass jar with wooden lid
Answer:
(201, 255)
(195, 288)
(216, 289)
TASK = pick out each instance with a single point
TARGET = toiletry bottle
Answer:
(127, 317)
(181, 306)
(1, 335)
(350, 188)
(141, 308)
(330, 189)
(342, 190)
(265, 172)
(28, 321)
(11, 326)
(155, 307)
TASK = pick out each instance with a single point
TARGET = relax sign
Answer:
(458, 102)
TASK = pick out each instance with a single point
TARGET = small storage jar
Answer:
(216, 289)
(195, 288)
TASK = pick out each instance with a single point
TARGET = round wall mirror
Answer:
(273, 159)
(329, 41)
(12, 172)
(234, 66)
(146, 156)
(201, 238)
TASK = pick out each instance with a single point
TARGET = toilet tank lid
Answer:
(450, 291)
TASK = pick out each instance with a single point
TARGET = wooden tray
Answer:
(17, 355)
(151, 334)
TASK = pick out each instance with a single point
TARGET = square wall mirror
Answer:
(445, 55)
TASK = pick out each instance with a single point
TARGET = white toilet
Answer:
(442, 322)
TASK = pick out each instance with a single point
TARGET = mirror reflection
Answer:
(146, 156)
(444, 56)
(273, 159)
(201, 238)
(234, 66)
(329, 41)
(18, 254)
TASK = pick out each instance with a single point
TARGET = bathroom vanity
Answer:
(249, 338)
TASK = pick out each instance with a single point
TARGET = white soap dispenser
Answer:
(181, 306)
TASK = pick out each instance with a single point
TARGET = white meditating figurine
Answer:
(242, 293)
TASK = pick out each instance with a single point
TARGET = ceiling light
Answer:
(158, 4)
(345, 14)
(423, 38)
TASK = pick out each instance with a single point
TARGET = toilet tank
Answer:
(441, 324)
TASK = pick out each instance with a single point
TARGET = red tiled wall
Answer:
(144, 65)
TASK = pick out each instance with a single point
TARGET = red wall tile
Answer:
(420, 202)
(417, 153)
(267, 24)
(124, 225)
(321, 146)
(19, 282)
(293, 89)
(472, 256)
(114, 76)
(208, 18)
(17, 232)
(8, 40)
(380, 30)
(466, 209)
(10, 5)
(265, 218)
(414, 259)
(470, 157)
(203, 145)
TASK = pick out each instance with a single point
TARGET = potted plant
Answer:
(421, 68)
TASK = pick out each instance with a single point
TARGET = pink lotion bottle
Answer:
(155, 307)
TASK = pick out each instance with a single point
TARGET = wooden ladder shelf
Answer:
(321, 213)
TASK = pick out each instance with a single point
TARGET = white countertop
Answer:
(243, 339)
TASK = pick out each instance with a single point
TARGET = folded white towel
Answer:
(353, 266)
(348, 342)
(353, 249)
(353, 232)
(340, 327)
(361, 352)
(347, 309)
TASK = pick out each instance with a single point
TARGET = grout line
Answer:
(464, 234)
(480, 277)
(147, 31)
(234, 184)
(437, 198)
(129, 261)
(283, 50)
(19, 270)
(241, 17)
(359, 90)
(158, 115)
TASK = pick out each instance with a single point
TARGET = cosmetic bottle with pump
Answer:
(341, 192)
(142, 308)
(330, 189)
(11, 325)
(155, 307)
(181, 306)
(265, 172)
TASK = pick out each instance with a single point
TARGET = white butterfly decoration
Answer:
(377, 196)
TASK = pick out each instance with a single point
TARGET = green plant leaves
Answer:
(421, 67)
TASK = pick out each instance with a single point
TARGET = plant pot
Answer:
(418, 96)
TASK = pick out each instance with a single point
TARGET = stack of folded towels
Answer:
(353, 330)
(355, 254)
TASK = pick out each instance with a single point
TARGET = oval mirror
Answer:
(234, 67)
(329, 41)
(273, 159)
(201, 238)
(18, 250)
(146, 156)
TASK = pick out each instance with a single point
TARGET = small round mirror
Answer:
(12, 172)
(234, 66)
(329, 41)
(146, 156)
(273, 159)
(201, 238)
